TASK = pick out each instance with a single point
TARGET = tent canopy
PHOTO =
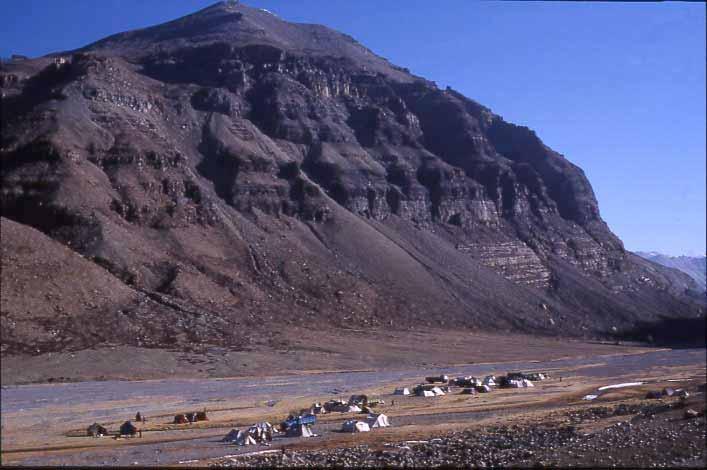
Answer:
(245, 439)
(489, 380)
(358, 400)
(128, 429)
(378, 421)
(231, 436)
(96, 430)
(301, 430)
(355, 426)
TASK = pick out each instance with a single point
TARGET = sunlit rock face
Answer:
(241, 170)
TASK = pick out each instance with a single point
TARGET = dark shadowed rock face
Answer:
(246, 173)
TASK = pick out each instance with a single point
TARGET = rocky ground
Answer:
(646, 435)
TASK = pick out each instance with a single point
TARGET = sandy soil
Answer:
(41, 422)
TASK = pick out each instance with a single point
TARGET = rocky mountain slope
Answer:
(223, 176)
(694, 266)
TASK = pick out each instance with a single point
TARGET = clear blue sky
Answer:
(617, 88)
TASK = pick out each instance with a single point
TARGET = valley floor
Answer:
(549, 424)
(307, 350)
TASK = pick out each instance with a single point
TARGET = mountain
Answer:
(228, 176)
(694, 266)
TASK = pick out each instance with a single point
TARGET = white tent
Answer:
(402, 391)
(261, 432)
(515, 383)
(344, 408)
(536, 376)
(527, 383)
(484, 389)
(264, 425)
(305, 431)
(489, 380)
(355, 426)
(378, 421)
(302, 430)
(437, 391)
(426, 393)
(245, 439)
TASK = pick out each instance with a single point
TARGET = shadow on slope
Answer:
(671, 332)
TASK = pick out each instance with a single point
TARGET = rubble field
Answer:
(645, 435)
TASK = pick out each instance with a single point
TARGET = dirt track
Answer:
(38, 418)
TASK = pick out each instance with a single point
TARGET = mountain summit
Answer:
(228, 176)
(240, 25)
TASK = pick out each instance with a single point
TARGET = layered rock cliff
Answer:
(241, 173)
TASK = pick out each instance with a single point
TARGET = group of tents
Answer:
(127, 429)
(191, 417)
(355, 404)
(259, 433)
(471, 385)
(341, 406)
(430, 390)
(300, 425)
(263, 433)
(373, 421)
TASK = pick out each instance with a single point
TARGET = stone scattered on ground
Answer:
(651, 435)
